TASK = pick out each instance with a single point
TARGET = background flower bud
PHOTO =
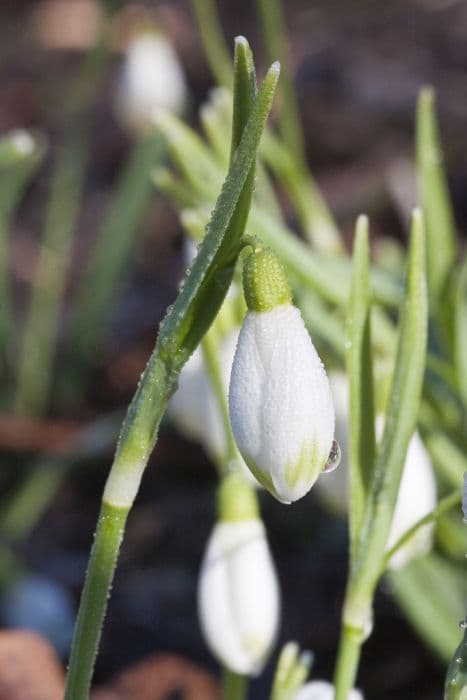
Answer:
(151, 79)
(417, 490)
(238, 593)
(321, 690)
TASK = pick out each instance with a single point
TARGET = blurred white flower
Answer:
(417, 490)
(238, 596)
(194, 408)
(280, 401)
(152, 79)
(322, 690)
(417, 498)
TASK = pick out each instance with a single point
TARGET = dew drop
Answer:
(463, 624)
(334, 458)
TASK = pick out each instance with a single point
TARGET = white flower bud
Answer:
(238, 593)
(280, 402)
(321, 690)
(417, 490)
(152, 79)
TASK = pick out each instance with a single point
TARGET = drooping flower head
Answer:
(280, 401)
(238, 592)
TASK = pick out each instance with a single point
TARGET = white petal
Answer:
(417, 498)
(280, 402)
(322, 690)
(238, 596)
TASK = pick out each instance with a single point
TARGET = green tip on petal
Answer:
(237, 500)
(265, 283)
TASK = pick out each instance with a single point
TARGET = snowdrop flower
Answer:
(152, 79)
(238, 593)
(280, 402)
(321, 690)
(417, 490)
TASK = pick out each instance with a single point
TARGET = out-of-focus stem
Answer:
(214, 45)
(234, 685)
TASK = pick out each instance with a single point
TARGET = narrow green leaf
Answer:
(431, 591)
(407, 382)
(203, 291)
(450, 458)
(20, 155)
(106, 270)
(401, 419)
(434, 197)
(360, 373)
(212, 38)
(38, 342)
(273, 29)
(460, 334)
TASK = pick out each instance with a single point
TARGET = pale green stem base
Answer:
(93, 605)
(348, 658)
(235, 686)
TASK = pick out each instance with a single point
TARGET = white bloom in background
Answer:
(238, 593)
(417, 490)
(322, 690)
(416, 498)
(194, 407)
(152, 79)
(280, 402)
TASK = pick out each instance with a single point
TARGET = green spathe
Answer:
(265, 283)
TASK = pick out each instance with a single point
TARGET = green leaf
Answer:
(360, 373)
(204, 289)
(460, 334)
(20, 155)
(431, 592)
(101, 282)
(401, 419)
(434, 197)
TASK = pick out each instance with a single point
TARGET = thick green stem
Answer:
(347, 662)
(234, 685)
(94, 598)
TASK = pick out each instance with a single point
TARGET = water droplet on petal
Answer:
(334, 458)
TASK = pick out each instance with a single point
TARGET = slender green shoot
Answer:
(400, 423)
(434, 196)
(106, 268)
(20, 155)
(460, 334)
(209, 27)
(360, 373)
(291, 672)
(273, 29)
